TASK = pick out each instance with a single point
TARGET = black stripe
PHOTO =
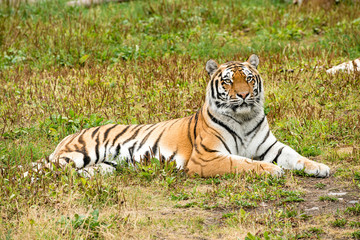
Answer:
(138, 126)
(225, 145)
(212, 90)
(207, 149)
(217, 135)
(132, 137)
(189, 134)
(145, 139)
(258, 82)
(97, 148)
(94, 132)
(209, 160)
(257, 125)
(196, 148)
(131, 151)
(83, 151)
(224, 126)
(173, 155)
(278, 154)
(267, 150)
(121, 133)
(150, 126)
(265, 138)
(196, 121)
(107, 131)
(117, 151)
(105, 152)
(111, 164)
(154, 148)
(147, 155)
(233, 119)
(175, 121)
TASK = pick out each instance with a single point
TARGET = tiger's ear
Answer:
(254, 60)
(211, 66)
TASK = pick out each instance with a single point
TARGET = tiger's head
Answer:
(235, 88)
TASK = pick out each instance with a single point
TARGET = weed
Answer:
(302, 173)
(320, 185)
(339, 222)
(356, 235)
(293, 199)
(328, 198)
(309, 233)
(88, 223)
(354, 210)
(354, 224)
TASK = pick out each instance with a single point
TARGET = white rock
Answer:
(337, 194)
(346, 67)
(262, 204)
(312, 209)
(353, 201)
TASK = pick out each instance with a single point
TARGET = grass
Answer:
(328, 198)
(67, 68)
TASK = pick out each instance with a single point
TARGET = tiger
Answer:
(229, 134)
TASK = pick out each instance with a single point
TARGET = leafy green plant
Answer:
(90, 222)
(354, 224)
(356, 235)
(354, 210)
(328, 198)
(341, 222)
(320, 185)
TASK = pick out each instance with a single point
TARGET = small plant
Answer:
(328, 198)
(339, 222)
(357, 176)
(320, 185)
(266, 236)
(245, 204)
(316, 230)
(292, 199)
(187, 205)
(179, 196)
(305, 216)
(356, 235)
(302, 173)
(90, 222)
(354, 224)
(355, 210)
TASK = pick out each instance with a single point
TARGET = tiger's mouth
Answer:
(239, 106)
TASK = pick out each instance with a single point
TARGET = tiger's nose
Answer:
(243, 95)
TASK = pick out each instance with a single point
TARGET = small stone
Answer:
(353, 201)
(262, 204)
(337, 194)
(312, 209)
(340, 199)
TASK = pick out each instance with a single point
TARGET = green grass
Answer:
(328, 198)
(339, 222)
(63, 69)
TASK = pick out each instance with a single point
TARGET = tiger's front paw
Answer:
(270, 168)
(313, 168)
